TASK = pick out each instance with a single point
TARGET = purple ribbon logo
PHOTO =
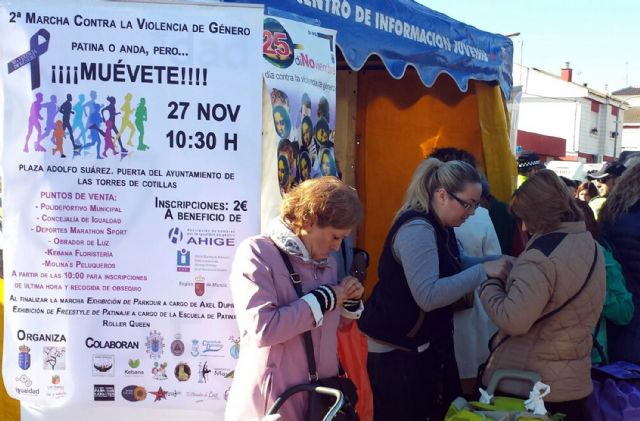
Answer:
(32, 57)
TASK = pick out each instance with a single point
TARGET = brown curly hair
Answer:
(326, 201)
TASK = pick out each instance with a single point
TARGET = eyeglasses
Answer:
(465, 205)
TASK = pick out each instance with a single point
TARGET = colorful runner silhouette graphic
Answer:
(58, 136)
(141, 117)
(126, 119)
(34, 122)
(66, 109)
(93, 123)
(111, 110)
(78, 119)
(51, 108)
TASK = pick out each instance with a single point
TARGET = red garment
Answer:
(352, 351)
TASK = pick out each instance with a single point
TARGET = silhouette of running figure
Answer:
(52, 109)
(89, 104)
(141, 117)
(34, 122)
(78, 119)
(58, 136)
(66, 111)
(111, 109)
(108, 138)
(126, 119)
(94, 121)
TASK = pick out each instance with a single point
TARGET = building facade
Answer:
(555, 108)
(631, 124)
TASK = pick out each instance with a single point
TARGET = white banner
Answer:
(300, 74)
(131, 169)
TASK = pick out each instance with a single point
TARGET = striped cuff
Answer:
(313, 303)
(352, 309)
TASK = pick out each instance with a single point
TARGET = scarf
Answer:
(286, 240)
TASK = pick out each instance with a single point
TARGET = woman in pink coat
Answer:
(315, 217)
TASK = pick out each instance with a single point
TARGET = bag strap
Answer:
(308, 341)
(343, 248)
(483, 366)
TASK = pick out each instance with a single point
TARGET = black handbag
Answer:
(331, 398)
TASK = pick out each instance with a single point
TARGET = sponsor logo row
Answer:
(135, 393)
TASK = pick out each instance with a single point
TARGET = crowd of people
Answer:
(466, 285)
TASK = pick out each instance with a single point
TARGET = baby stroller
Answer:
(337, 411)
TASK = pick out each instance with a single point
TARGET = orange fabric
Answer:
(400, 122)
(352, 351)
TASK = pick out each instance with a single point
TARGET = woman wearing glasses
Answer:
(409, 317)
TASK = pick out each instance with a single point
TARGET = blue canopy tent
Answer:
(404, 33)
(419, 80)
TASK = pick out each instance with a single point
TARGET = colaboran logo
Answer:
(41, 337)
(92, 343)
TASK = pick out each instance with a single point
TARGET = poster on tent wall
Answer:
(300, 74)
(131, 150)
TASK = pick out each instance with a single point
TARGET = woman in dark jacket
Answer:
(620, 227)
(409, 317)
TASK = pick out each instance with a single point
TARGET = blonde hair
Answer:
(543, 202)
(326, 201)
(432, 174)
(624, 194)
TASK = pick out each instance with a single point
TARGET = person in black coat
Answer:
(620, 227)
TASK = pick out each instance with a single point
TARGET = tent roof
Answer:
(404, 33)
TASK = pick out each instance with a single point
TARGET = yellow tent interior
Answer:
(385, 126)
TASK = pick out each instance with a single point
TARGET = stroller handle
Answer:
(311, 389)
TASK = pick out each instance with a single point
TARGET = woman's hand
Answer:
(353, 287)
(348, 289)
(500, 268)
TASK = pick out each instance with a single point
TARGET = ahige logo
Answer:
(175, 235)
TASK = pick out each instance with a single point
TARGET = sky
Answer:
(600, 38)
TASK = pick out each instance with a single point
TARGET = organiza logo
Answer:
(27, 389)
(53, 357)
(24, 358)
(102, 365)
(175, 235)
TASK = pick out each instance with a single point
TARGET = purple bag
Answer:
(616, 392)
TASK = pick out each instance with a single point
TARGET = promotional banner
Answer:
(300, 74)
(131, 170)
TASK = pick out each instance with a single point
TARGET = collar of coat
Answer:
(280, 233)
(564, 227)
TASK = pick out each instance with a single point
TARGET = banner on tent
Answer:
(300, 74)
(131, 161)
